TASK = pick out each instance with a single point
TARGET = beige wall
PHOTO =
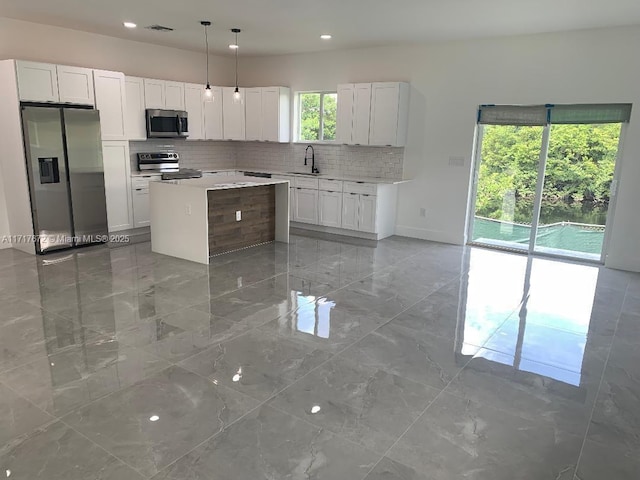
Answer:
(43, 43)
(448, 83)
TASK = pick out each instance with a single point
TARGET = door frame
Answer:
(537, 203)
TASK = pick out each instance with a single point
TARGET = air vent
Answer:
(160, 28)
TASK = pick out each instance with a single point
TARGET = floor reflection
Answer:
(314, 317)
(546, 333)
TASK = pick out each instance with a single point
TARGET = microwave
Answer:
(167, 124)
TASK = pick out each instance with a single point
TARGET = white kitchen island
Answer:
(196, 218)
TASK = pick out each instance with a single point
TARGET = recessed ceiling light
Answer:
(130, 25)
(233, 46)
(154, 418)
(325, 36)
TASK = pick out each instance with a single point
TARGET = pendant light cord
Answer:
(206, 41)
(237, 48)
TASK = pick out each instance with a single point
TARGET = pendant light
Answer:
(208, 93)
(237, 98)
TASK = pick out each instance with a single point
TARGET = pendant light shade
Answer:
(208, 93)
(237, 97)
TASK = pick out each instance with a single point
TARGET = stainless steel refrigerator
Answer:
(66, 176)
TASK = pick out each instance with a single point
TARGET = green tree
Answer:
(310, 116)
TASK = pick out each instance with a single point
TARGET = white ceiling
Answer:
(288, 26)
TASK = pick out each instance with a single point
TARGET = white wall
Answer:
(44, 43)
(450, 80)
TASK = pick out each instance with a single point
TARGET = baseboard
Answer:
(431, 235)
(628, 265)
(334, 231)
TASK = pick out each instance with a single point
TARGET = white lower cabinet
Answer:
(359, 212)
(350, 211)
(330, 209)
(305, 206)
(117, 185)
(141, 210)
(367, 213)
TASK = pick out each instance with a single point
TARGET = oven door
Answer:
(167, 124)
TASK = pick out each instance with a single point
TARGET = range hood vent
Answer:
(159, 28)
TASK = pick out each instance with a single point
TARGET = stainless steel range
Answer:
(167, 163)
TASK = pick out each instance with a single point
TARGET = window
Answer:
(317, 121)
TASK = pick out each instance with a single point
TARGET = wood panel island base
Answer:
(196, 218)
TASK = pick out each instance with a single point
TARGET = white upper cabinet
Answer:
(389, 114)
(253, 113)
(361, 111)
(154, 93)
(135, 122)
(174, 95)
(233, 115)
(75, 85)
(37, 82)
(213, 116)
(111, 101)
(194, 105)
(276, 114)
(344, 120)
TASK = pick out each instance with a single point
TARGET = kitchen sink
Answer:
(304, 173)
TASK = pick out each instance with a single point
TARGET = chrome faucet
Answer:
(313, 159)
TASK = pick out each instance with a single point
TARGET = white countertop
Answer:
(209, 183)
(346, 178)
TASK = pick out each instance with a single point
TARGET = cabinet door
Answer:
(37, 82)
(174, 95)
(350, 211)
(367, 213)
(117, 185)
(253, 113)
(232, 115)
(330, 209)
(135, 123)
(154, 93)
(361, 114)
(276, 111)
(194, 105)
(141, 209)
(384, 113)
(110, 101)
(344, 119)
(213, 116)
(75, 85)
(306, 206)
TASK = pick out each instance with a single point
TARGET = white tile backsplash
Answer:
(383, 162)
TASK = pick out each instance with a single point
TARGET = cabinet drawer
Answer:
(330, 185)
(360, 187)
(303, 182)
(143, 182)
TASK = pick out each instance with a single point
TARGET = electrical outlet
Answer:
(187, 209)
(238, 215)
(423, 212)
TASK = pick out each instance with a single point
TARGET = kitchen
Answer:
(138, 114)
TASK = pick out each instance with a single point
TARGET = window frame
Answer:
(298, 116)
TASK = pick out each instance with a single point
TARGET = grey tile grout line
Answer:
(274, 395)
(442, 391)
(604, 371)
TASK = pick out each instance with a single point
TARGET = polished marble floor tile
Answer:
(161, 418)
(181, 334)
(365, 405)
(388, 469)
(78, 375)
(397, 360)
(256, 363)
(17, 416)
(59, 453)
(269, 444)
(458, 438)
(415, 356)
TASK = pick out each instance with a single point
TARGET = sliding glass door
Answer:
(544, 176)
